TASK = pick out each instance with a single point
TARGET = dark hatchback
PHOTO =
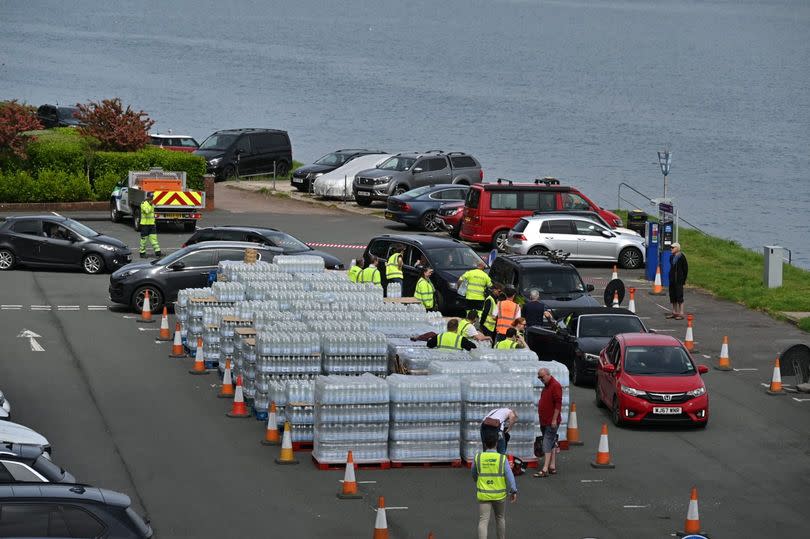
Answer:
(58, 242)
(270, 237)
(419, 207)
(58, 116)
(188, 267)
(303, 177)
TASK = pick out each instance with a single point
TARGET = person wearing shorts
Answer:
(549, 408)
(677, 278)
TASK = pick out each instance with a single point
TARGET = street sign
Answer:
(666, 208)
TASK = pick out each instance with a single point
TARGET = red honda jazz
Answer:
(650, 378)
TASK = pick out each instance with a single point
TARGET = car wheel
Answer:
(7, 259)
(136, 219)
(155, 299)
(282, 168)
(499, 240)
(363, 201)
(438, 301)
(400, 190)
(538, 251)
(616, 413)
(630, 258)
(456, 232)
(429, 221)
(93, 263)
(190, 226)
(115, 215)
(599, 402)
(229, 173)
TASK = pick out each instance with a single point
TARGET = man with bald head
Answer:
(549, 409)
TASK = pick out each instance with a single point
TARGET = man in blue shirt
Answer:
(535, 310)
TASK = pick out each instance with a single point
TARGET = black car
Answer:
(419, 207)
(59, 242)
(20, 463)
(271, 237)
(577, 342)
(244, 152)
(188, 267)
(449, 259)
(68, 510)
(58, 116)
(303, 177)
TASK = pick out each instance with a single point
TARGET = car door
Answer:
(559, 234)
(440, 171)
(594, 242)
(190, 271)
(410, 269)
(378, 248)
(424, 176)
(25, 238)
(61, 245)
(607, 380)
(243, 152)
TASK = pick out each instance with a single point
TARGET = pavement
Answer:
(122, 415)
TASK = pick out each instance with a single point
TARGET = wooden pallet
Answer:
(455, 463)
(379, 465)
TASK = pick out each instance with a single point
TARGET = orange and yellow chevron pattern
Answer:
(177, 198)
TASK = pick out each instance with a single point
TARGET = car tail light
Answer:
(184, 245)
(405, 207)
(520, 237)
(481, 174)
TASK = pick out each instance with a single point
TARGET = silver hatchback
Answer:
(584, 238)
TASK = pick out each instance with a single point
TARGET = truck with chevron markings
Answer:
(172, 201)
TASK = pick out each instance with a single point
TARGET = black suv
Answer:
(20, 463)
(304, 177)
(558, 283)
(244, 152)
(271, 237)
(68, 510)
(449, 259)
(58, 116)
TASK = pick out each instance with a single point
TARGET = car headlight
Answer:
(697, 392)
(384, 179)
(215, 161)
(452, 285)
(107, 247)
(632, 391)
(591, 357)
(129, 273)
(618, 222)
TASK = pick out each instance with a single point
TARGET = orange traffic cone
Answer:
(615, 274)
(725, 362)
(226, 391)
(632, 305)
(692, 525)
(616, 303)
(572, 434)
(381, 523)
(199, 363)
(271, 435)
(603, 452)
(349, 489)
(776, 381)
(177, 345)
(146, 311)
(238, 407)
(657, 289)
(689, 340)
(286, 456)
(165, 334)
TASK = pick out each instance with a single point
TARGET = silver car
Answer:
(585, 239)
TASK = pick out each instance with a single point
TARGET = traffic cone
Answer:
(199, 363)
(689, 340)
(692, 524)
(725, 362)
(381, 524)
(657, 289)
(632, 305)
(286, 456)
(177, 345)
(572, 434)
(776, 381)
(616, 303)
(226, 391)
(349, 489)
(615, 274)
(271, 435)
(603, 452)
(146, 311)
(165, 334)
(238, 407)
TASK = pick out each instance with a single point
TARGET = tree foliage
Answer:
(116, 128)
(15, 119)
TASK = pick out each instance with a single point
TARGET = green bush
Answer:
(103, 185)
(60, 149)
(48, 186)
(120, 163)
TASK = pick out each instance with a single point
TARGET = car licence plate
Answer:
(173, 216)
(364, 193)
(298, 180)
(667, 410)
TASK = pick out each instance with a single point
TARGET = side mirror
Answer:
(607, 234)
(417, 170)
(176, 266)
(702, 369)
(589, 287)
(609, 368)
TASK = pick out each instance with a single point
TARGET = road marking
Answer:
(394, 509)
(67, 307)
(11, 307)
(668, 309)
(800, 400)
(130, 317)
(786, 387)
(706, 356)
(591, 480)
(339, 480)
(97, 307)
(40, 307)
(32, 339)
(746, 369)
(148, 329)
(635, 506)
(664, 330)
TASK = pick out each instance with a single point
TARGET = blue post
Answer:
(666, 255)
(652, 250)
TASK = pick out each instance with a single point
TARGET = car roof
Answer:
(560, 215)
(597, 311)
(220, 244)
(648, 339)
(69, 491)
(358, 150)
(526, 185)
(423, 240)
(158, 135)
(417, 154)
(242, 228)
(530, 260)
(247, 130)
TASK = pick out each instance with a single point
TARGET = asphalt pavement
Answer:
(122, 415)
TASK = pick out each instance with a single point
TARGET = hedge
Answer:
(48, 186)
(118, 164)
(58, 149)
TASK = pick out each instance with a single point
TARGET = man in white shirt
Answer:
(500, 420)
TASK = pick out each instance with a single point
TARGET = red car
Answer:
(177, 143)
(451, 213)
(650, 378)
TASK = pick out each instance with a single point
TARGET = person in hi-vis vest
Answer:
(148, 227)
(494, 482)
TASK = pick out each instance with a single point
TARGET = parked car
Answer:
(492, 209)
(559, 283)
(452, 213)
(188, 267)
(303, 177)
(593, 216)
(58, 116)
(177, 143)
(419, 207)
(68, 510)
(20, 463)
(649, 378)
(449, 259)
(233, 152)
(58, 242)
(13, 433)
(5, 407)
(338, 183)
(271, 237)
(577, 343)
(584, 238)
(406, 171)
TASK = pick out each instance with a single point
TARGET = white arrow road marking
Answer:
(801, 400)
(32, 339)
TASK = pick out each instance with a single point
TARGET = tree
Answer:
(15, 119)
(116, 128)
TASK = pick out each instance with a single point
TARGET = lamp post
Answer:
(665, 160)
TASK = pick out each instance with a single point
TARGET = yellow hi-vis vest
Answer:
(477, 282)
(424, 292)
(354, 273)
(147, 213)
(449, 340)
(507, 313)
(489, 323)
(370, 275)
(506, 344)
(491, 484)
(392, 270)
(462, 327)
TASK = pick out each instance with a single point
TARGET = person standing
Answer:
(499, 421)
(549, 409)
(535, 310)
(370, 273)
(485, 314)
(477, 282)
(506, 312)
(356, 270)
(678, 271)
(148, 226)
(393, 267)
(425, 291)
(450, 339)
(494, 482)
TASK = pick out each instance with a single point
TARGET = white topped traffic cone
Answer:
(381, 523)
(632, 305)
(615, 274)
(616, 303)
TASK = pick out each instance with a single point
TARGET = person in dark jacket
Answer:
(678, 271)
(535, 310)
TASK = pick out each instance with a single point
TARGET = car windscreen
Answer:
(285, 241)
(397, 163)
(521, 225)
(333, 159)
(453, 258)
(218, 142)
(658, 360)
(68, 112)
(80, 229)
(608, 325)
(552, 280)
(473, 198)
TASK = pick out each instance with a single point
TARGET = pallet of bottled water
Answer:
(228, 292)
(498, 354)
(299, 263)
(462, 367)
(237, 271)
(396, 345)
(524, 369)
(300, 399)
(561, 374)
(288, 353)
(354, 352)
(415, 360)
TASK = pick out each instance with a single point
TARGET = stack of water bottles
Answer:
(462, 367)
(181, 307)
(560, 373)
(300, 408)
(299, 263)
(403, 323)
(397, 348)
(527, 369)
(287, 353)
(354, 352)
(351, 413)
(228, 292)
(415, 360)
(425, 416)
(484, 353)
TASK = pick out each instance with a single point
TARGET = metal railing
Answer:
(650, 200)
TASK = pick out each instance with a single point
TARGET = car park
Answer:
(270, 237)
(177, 143)
(303, 177)
(68, 510)
(419, 207)
(338, 183)
(583, 238)
(53, 241)
(558, 283)
(20, 463)
(647, 378)
(58, 116)
(576, 343)
(13, 433)
(188, 267)
(244, 152)
(5, 407)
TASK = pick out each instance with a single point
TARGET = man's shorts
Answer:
(675, 293)
(549, 438)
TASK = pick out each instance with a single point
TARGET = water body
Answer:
(585, 90)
